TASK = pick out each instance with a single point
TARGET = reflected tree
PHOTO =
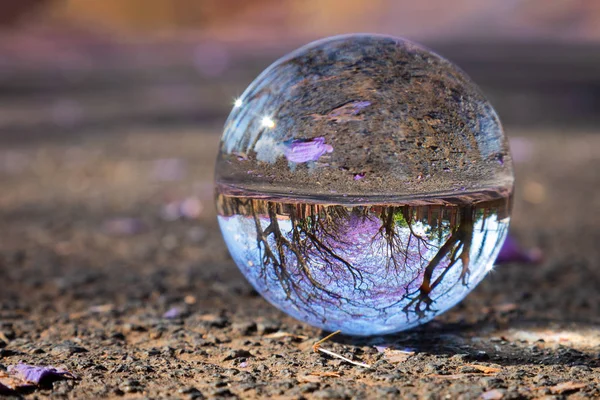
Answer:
(318, 244)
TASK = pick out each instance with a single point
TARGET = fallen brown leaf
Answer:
(12, 383)
(485, 369)
(280, 334)
(208, 317)
(308, 379)
(500, 308)
(4, 338)
(567, 387)
(493, 394)
(327, 374)
(452, 376)
(397, 356)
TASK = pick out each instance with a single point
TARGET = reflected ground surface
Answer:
(367, 269)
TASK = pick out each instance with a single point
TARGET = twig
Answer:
(332, 354)
(317, 345)
(317, 348)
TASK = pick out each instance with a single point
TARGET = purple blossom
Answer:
(511, 252)
(358, 177)
(172, 313)
(35, 374)
(300, 151)
(381, 349)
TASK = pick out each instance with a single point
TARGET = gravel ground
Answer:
(112, 267)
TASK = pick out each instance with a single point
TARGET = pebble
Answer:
(192, 393)
(244, 328)
(331, 394)
(223, 392)
(67, 349)
(237, 354)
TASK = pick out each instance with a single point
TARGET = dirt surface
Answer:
(104, 233)
(363, 116)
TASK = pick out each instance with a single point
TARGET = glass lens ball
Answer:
(363, 184)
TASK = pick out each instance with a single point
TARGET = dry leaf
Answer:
(567, 387)
(397, 356)
(280, 334)
(309, 379)
(506, 307)
(10, 383)
(4, 338)
(493, 394)
(485, 369)
(453, 376)
(327, 374)
(208, 317)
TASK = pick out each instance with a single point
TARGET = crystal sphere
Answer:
(363, 184)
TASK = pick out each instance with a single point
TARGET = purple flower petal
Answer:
(511, 252)
(381, 349)
(35, 374)
(358, 177)
(172, 313)
(300, 151)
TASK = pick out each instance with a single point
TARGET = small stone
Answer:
(264, 328)
(244, 328)
(330, 394)
(191, 392)
(131, 386)
(67, 349)
(309, 387)
(461, 358)
(223, 392)
(234, 354)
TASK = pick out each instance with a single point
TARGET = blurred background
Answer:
(68, 64)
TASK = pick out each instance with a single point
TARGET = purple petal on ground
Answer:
(37, 374)
(511, 252)
(300, 151)
(380, 349)
(172, 313)
(358, 177)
